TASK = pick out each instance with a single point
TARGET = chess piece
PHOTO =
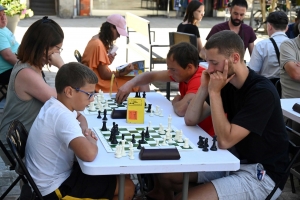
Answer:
(130, 145)
(137, 94)
(147, 135)
(114, 139)
(180, 137)
(143, 141)
(149, 124)
(104, 128)
(131, 157)
(149, 108)
(186, 143)
(123, 136)
(139, 146)
(151, 114)
(123, 148)
(144, 94)
(133, 140)
(205, 145)
(157, 143)
(201, 142)
(164, 142)
(117, 149)
(114, 126)
(177, 135)
(118, 152)
(161, 114)
(92, 106)
(214, 146)
(104, 114)
(117, 129)
(112, 133)
(99, 114)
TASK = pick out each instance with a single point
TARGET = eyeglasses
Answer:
(90, 94)
(59, 48)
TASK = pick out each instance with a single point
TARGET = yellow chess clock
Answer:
(135, 110)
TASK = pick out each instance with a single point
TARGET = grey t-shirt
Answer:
(289, 51)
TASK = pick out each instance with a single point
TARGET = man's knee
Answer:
(129, 188)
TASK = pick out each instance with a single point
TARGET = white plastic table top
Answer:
(190, 161)
(287, 108)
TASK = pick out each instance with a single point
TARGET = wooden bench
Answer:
(144, 45)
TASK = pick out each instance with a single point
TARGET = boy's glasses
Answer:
(90, 94)
(59, 48)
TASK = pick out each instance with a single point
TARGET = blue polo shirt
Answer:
(7, 40)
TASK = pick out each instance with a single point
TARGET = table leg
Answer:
(185, 186)
(121, 186)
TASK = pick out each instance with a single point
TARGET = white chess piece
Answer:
(186, 143)
(130, 145)
(169, 119)
(151, 113)
(92, 106)
(149, 125)
(180, 137)
(131, 154)
(161, 114)
(118, 152)
(106, 105)
(101, 107)
(157, 143)
(168, 134)
(102, 99)
(177, 135)
(164, 142)
(117, 149)
(123, 148)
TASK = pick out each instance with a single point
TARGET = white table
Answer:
(287, 109)
(190, 161)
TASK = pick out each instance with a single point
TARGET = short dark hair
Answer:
(278, 19)
(191, 8)
(241, 3)
(184, 53)
(40, 36)
(74, 74)
(227, 42)
(106, 35)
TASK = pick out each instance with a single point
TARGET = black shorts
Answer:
(80, 185)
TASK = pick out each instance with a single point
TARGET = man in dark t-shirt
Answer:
(235, 24)
(254, 124)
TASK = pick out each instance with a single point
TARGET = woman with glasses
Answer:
(193, 15)
(27, 90)
(98, 55)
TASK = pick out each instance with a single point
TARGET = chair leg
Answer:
(10, 187)
(292, 183)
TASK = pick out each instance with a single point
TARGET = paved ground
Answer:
(78, 32)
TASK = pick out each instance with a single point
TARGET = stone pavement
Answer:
(77, 34)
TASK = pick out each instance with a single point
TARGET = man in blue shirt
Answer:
(8, 48)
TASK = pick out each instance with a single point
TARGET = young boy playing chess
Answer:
(59, 133)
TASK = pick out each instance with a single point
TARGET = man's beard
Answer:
(234, 23)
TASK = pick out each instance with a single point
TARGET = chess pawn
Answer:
(156, 110)
(123, 148)
(186, 143)
(92, 106)
(164, 142)
(130, 145)
(161, 114)
(168, 135)
(117, 149)
(100, 107)
(169, 119)
(118, 152)
(131, 157)
(151, 113)
(149, 125)
(177, 135)
(180, 137)
(157, 143)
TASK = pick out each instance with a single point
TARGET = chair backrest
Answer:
(16, 139)
(294, 152)
(177, 37)
(77, 55)
(278, 87)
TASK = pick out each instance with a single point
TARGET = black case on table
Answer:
(118, 114)
(159, 154)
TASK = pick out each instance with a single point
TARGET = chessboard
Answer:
(155, 136)
(111, 104)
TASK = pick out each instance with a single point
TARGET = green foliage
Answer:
(15, 7)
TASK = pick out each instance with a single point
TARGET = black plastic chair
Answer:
(77, 55)
(294, 152)
(278, 87)
(16, 139)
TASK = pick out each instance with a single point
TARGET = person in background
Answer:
(97, 55)
(27, 90)
(293, 30)
(194, 14)
(238, 10)
(264, 59)
(8, 49)
(51, 161)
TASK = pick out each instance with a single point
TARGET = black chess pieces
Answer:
(205, 145)
(114, 139)
(133, 140)
(99, 114)
(201, 142)
(137, 94)
(117, 129)
(147, 135)
(149, 108)
(214, 146)
(139, 146)
(144, 94)
(104, 114)
(104, 128)
(112, 133)
(143, 141)
(123, 136)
